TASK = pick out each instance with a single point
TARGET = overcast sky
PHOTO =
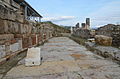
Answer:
(70, 12)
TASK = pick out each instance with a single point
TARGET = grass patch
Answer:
(78, 40)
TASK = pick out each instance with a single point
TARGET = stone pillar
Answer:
(88, 23)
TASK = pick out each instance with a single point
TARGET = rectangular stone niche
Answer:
(33, 57)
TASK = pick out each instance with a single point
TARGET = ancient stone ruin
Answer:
(21, 27)
(84, 31)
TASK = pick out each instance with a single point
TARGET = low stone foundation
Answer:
(105, 51)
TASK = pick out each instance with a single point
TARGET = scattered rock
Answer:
(103, 40)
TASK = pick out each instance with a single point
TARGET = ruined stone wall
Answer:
(83, 33)
(111, 31)
(16, 33)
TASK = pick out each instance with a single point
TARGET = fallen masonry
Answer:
(33, 57)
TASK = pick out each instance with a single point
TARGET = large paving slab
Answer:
(65, 59)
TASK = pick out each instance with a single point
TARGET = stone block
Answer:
(14, 47)
(2, 51)
(39, 38)
(20, 44)
(24, 29)
(33, 57)
(9, 27)
(7, 1)
(20, 29)
(7, 13)
(3, 26)
(11, 15)
(6, 36)
(16, 5)
(34, 39)
(2, 8)
(25, 42)
(103, 40)
(117, 56)
(20, 17)
(14, 27)
(19, 36)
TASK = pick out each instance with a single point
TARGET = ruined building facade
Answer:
(110, 30)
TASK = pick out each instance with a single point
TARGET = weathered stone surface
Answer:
(6, 36)
(2, 51)
(34, 39)
(106, 51)
(7, 1)
(25, 42)
(83, 33)
(59, 64)
(2, 11)
(14, 47)
(103, 40)
(3, 26)
(33, 57)
(25, 29)
(7, 13)
(20, 44)
(112, 31)
(13, 3)
(20, 17)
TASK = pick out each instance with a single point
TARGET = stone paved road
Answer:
(65, 59)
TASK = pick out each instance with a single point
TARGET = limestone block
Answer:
(6, 13)
(3, 26)
(16, 5)
(1, 11)
(6, 36)
(2, 51)
(20, 44)
(103, 40)
(11, 15)
(14, 27)
(7, 48)
(20, 26)
(30, 29)
(25, 42)
(24, 29)
(14, 47)
(117, 56)
(33, 57)
(7, 1)
(20, 17)
(10, 28)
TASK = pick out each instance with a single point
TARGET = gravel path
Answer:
(65, 59)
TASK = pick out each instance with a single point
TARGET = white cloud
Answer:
(108, 14)
(58, 19)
